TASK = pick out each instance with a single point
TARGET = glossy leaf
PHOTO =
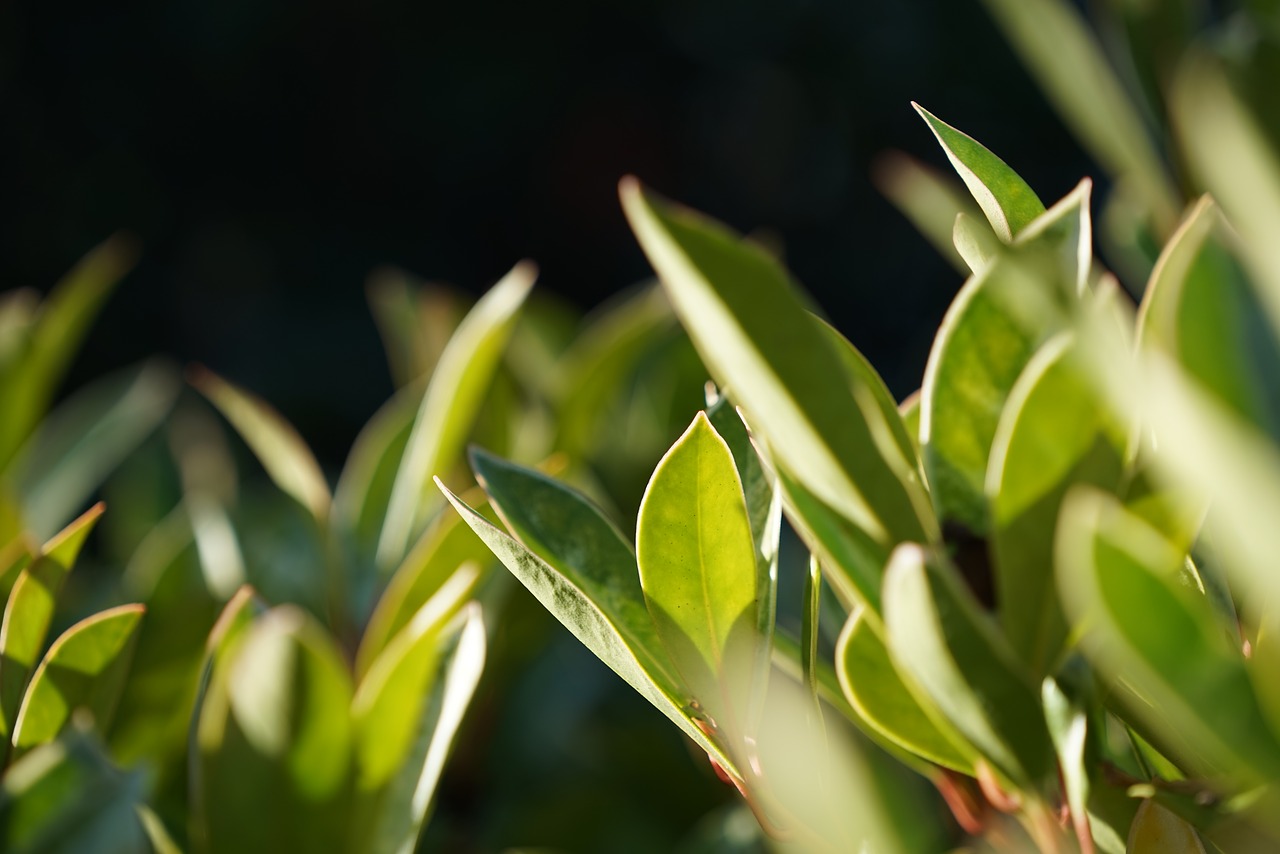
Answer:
(1055, 44)
(1159, 644)
(449, 407)
(939, 640)
(29, 611)
(754, 333)
(698, 569)
(273, 440)
(877, 692)
(1053, 433)
(84, 668)
(1009, 204)
(591, 596)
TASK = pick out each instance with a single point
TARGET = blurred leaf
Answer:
(27, 386)
(388, 702)
(1155, 830)
(1009, 204)
(1053, 433)
(698, 570)
(1159, 644)
(364, 488)
(274, 739)
(29, 611)
(452, 399)
(84, 668)
(875, 689)
(85, 439)
(975, 242)
(754, 333)
(909, 408)
(66, 798)
(594, 588)
(274, 441)
(1068, 721)
(158, 836)
(938, 638)
(1056, 46)
(415, 322)
(809, 629)
(925, 196)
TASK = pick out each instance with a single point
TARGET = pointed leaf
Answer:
(1068, 721)
(85, 668)
(975, 243)
(928, 198)
(449, 407)
(1010, 205)
(1160, 645)
(754, 333)
(601, 611)
(364, 487)
(877, 692)
(1155, 830)
(273, 440)
(941, 642)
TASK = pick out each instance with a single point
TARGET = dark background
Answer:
(270, 153)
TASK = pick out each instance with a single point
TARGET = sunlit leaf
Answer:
(928, 198)
(975, 243)
(364, 487)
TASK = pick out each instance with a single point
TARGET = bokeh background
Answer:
(270, 154)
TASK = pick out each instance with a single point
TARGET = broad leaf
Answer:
(698, 568)
(84, 668)
(1053, 433)
(1010, 205)
(942, 643)
(1159, 644)
(880, 697)
(755, 334)
(1156, 830)
(449, 407)
(273, 440)
(604, 611)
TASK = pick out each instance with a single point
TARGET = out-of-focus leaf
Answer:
(938, 639)
(29, 611)
(364, 487)
(928, 198)
(273, 440)
(1155, 830)
(809, 618)
(998, 320)
(388, 701)
(66, 797)
(1199, 308)
(274, 738)
(592, 590)
(880, 697)
(406, 800)
(975, 242)
(1053, 433)
(909, 408)
(1068, 721)
(415, 322)
(1160, 645)
(698, 570)
(754, 333)
(1009, 204)
(28, 385)
(158, 836)
(84, 668)
(85, 439)
(1057, 47)
(449, 406)
(446, 545)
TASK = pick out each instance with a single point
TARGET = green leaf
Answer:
(388, 702)
(364, 488)
(1054, 432)
(881, 698)
(975, 243)
(1200, 309)
(85, 439)
(928, 198)
(1010, 205)
(1056, 46)
(592, 590)
(997, 321)
(755, 334)
(84, 668)
(29, 385)
(275, 729)
(809, 619)
(67, 797)
(273, 440)
(415, 322)
(698, 569)
(939, 640)
(909, 408)
(1068, 721)
(405, 802)
(29, 611)
(1159, 644)
(1155, 830)
(449, 407)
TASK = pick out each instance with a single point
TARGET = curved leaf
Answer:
(1155, 830)
(364, 486)
(925, 196)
